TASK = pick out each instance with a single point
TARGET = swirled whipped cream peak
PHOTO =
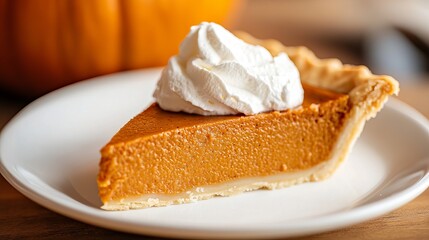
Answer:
(216, 73)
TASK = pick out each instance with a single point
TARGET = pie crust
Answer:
(366, 93)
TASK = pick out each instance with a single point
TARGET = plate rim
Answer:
(350, 217)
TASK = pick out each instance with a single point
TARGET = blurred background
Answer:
(44, 46)
(390, 36)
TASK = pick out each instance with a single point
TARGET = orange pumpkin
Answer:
(48, 44)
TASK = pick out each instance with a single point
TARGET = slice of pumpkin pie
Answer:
(232, 117)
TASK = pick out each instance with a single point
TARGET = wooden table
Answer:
(21, 218)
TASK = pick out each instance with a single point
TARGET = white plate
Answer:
(50, 153)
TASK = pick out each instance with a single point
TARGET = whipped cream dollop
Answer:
(216, 73)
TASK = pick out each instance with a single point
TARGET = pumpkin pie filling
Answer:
(192, 154)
